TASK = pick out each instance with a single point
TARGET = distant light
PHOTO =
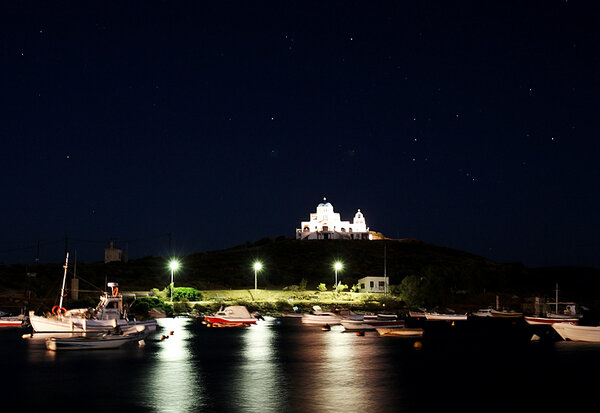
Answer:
(338, 265)
(257, 266)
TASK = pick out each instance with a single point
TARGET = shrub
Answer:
(322, 287)
(187, 293)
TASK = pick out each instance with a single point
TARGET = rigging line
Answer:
(89, 283)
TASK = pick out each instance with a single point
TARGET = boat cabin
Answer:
(110, 306)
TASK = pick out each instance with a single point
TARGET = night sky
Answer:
(471, 125)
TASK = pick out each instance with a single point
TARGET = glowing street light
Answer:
(337, 266)
(174, 266)
(257, 268)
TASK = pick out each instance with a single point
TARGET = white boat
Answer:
(506, 314)
(400, 332)
(230, 316)
(371, 322)
(321, 318)
(96, 341)
(572, 332)
(551, 319)
(7, 320)
(417, 313)
(445, 316)
(107, 315)
(483, 312)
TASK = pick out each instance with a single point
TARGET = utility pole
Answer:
(385, 280)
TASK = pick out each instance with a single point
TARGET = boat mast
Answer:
(556, 300)
(62, 290)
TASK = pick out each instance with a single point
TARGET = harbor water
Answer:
(280, 365)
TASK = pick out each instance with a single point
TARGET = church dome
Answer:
(325, 204)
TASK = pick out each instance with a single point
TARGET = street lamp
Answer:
(257, 268)
(173, 265)
(337, 266)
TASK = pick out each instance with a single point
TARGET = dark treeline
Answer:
(447, 273)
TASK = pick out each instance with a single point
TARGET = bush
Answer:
(322, 287)
(186, 293)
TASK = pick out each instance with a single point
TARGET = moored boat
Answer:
(108, 314)
(370, 322)
(230, 316)
(321, 318)
(572, 332)
(434, 316)
(482, 312)
(506, 314)
(7, 320)
(96, 341)
(540, 320)
(400, 332)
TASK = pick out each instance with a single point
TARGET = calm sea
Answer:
(280, 365)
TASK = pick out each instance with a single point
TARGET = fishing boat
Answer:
(573, 332)
(567, 315)
(108, 314)
(230, 316)
(92, 341)
(400, 332)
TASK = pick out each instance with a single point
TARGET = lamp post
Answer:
(173, 265)
(337, 266)
(257, 268)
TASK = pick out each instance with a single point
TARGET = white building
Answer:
(373, 285)
(113, 254)
(327, 224)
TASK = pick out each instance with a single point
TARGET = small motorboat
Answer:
(91, 341)
(230, 316)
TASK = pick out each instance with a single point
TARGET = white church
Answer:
(327, 224)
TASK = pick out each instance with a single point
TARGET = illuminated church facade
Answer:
(327, 224)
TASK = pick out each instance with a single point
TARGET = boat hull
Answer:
(90, 343)
(400, 332)
(572, 332)
(445, 317)
(321, 319)
(223, 321)
(549, 320)
(11, 323)
(74, 324)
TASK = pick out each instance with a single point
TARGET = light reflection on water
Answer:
(258, 384)
(287, 367)
(172, 384)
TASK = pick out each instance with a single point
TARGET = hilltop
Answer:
(288, 262)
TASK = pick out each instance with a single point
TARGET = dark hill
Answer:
(288, 262)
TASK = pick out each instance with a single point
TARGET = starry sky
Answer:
(201, 125)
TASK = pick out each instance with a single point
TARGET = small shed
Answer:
(374, 284)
